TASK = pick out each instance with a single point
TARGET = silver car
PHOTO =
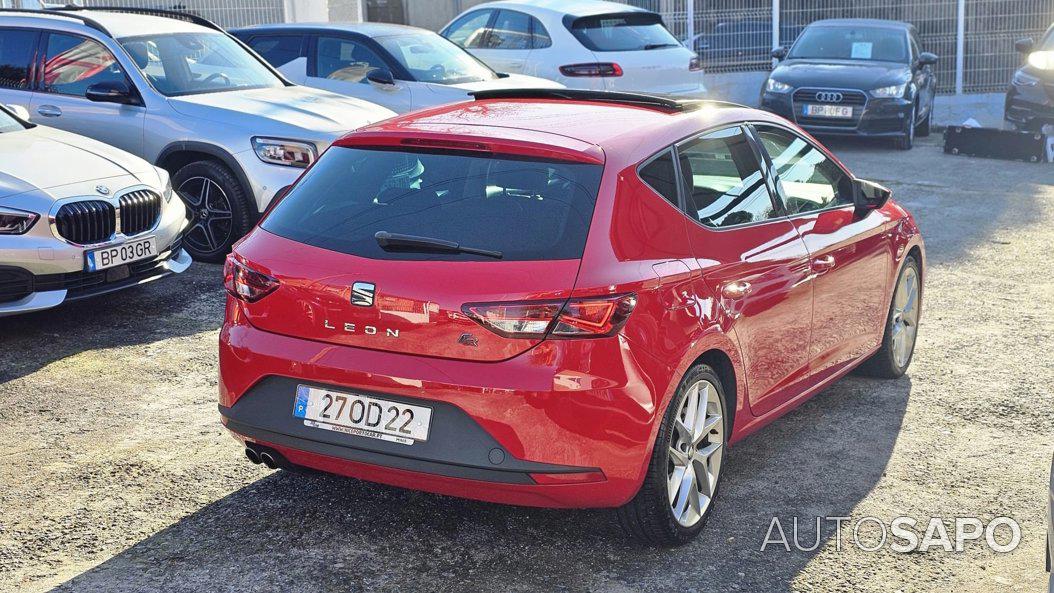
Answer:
(79, 218)
(184, 95)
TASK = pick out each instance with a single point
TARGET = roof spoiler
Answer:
(631, 99)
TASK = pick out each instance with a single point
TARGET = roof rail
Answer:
(636, 99)
(187, 16)
(77, 17)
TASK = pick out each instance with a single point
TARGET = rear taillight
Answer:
(245, 283)
(695, 64)
(577, 318)
(594, 69)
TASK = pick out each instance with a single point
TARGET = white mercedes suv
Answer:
(79, 218)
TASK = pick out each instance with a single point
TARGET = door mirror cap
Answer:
(869, 195)
(927, 59)
(381, 78)
(1024, 46)
(779, 53)
(18, 111)
(112, 91)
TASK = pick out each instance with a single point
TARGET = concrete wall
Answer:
(305, 11)
(348, 11)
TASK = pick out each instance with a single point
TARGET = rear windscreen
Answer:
(526, 209)
(622, 32)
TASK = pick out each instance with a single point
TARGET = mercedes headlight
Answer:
(775, 86)
(285, 152)
(1044, 60)
(16, 222)
(896, 90)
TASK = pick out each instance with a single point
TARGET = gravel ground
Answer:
(118, 477)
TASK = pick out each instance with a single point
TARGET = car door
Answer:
(17, 48)
(341, 64)
(850, 255)
(753, 260)
(68, 65)
(287, 52)
(925, 79)
(507, 43)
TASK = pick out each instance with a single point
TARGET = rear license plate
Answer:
(843, 111)
(116, 255)
(362, 415)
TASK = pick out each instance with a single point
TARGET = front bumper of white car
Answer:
(42, 269)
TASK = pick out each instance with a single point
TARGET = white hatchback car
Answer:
(79, 218)
(395, 66)
(582, 44)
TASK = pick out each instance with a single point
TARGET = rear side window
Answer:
(808, 179)
(75, 63)
(511, 30)
(660, 175)
(470, 30)
(346, 60)
(527, 209)
(16, 51)
(723, 180)
(279, 50)
(622, 32)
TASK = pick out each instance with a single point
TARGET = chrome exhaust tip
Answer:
(252, 455)
(268, 460)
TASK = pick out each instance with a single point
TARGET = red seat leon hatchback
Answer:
(561, 299)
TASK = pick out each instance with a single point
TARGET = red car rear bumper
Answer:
(574, 420)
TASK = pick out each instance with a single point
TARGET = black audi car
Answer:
(1030, 98)
(858, 77)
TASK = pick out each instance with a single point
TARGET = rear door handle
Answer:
(736, 290)
(823, 263)
(49, 111)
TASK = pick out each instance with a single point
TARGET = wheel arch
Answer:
(180, 154)
(718, 360)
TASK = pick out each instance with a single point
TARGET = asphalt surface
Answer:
(116, 475)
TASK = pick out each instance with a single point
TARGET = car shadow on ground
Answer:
(313, 532)
(180, 305)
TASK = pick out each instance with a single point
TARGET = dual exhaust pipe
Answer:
(258, 455)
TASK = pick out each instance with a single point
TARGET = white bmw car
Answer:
(582, 44)
(79, 218)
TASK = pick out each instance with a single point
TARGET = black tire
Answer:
(648, 517)
(906, 140)
(217, 219)
(882, 364)
(923, 129)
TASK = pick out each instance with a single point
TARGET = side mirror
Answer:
(112, 91)
(381, 78)
(1024, 46)
(927, 59)
(779, 53)
(20, 112)
(869, 195)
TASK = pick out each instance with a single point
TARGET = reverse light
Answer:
(695, 64)
(577, 318)
(16, 222)
(775, 86)
(896, 90)
(592, 69)
(244, 283)
(289, 153)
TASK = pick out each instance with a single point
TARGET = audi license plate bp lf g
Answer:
(585, 319)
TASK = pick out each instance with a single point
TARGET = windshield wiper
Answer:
(660, 45)
(397, 241)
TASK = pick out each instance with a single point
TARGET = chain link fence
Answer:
(737, 35)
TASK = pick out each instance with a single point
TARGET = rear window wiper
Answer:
(659, 45)
(396, 241)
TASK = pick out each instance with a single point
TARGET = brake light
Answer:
(695, 64)
(577, 318)
(244, 283)
(595, 69)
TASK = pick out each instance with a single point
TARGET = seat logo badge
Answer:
(362, 294)
(829, 97)
(102, 189)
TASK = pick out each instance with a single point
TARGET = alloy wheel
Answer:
(212, 222)
(696, 448)
(905, 318)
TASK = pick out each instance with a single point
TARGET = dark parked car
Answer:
(1030, 98)
(859, 77)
